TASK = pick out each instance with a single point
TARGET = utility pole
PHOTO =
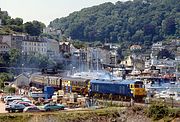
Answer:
(97, 59)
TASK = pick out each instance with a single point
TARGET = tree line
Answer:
(134, 22)
(15, 58)
(34, 28)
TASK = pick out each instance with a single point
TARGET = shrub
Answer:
(157, 112)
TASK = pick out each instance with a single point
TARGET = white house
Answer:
(34, 45)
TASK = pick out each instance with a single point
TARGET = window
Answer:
(136, 85)
(96, 88)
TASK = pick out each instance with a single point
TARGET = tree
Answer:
(1, 84)
(11, 90)
(15, 57)
(133, 22)
(18, 21)
(165, 54)
(169, 26)
(34, 28)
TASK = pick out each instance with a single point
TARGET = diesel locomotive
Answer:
(124, 89)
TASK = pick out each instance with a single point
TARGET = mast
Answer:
(97, 59)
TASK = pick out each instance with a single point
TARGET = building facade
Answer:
(34, 45)
(16, 42)
(64, 47)
(52, 47)
(4, 47)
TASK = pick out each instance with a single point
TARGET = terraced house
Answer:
(34, 45)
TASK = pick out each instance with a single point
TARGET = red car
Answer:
(26, 104)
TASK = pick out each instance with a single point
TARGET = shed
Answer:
(22, 80)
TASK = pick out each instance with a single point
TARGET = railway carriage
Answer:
(78, 85)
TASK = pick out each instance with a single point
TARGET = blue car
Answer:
(53, 107)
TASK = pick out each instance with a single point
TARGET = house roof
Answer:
(4, 43)
(135, 47)
(23, 74)
(66, 43)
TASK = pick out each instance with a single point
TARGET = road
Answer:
(2, 107)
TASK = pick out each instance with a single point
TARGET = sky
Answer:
(46, 10)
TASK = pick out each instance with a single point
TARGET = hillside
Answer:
(138, 22)
(16, 25)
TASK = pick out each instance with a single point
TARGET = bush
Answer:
(157, 112)
(10, 90)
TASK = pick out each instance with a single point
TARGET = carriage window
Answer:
(96, 87)
(136, 85)
(141, 86)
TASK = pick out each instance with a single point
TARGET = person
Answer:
(132, 102)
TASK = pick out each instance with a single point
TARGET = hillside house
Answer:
(128, 62)
(4, 47)
(64, 47)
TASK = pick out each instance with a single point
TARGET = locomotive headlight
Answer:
(132, 91)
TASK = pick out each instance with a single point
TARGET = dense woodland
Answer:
(134, 22)
(16, 25)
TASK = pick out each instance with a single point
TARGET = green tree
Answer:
(165, 54)
(1, 84)
(169, 26)
(18, 21)
(15, 57)
(11, 90)
(133, 22)
(34, 28)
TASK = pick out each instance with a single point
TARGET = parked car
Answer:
(25, 103)
(9, 100)
(53, 107)
(5, 98)
(15, 102)
(26, 100)
(33, 109)
(14, 108)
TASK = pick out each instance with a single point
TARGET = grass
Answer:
(62, 116)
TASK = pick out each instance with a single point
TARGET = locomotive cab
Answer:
(138, 89)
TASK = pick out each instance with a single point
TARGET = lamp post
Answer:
(22, 65)
(172, 100)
